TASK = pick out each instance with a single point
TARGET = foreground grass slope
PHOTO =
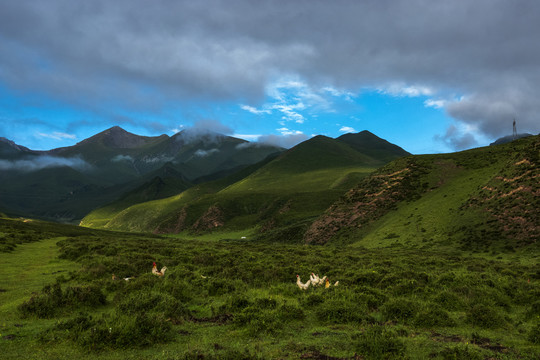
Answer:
(238, 300)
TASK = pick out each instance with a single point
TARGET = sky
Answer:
(429, 76)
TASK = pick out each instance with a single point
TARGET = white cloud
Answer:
(290, 113)
(157, 159)
(347, 95)
(211, 125)
(205, 153)
(286, 131)
(436, 104)
(42, 162)
(120, 157)
(401, 90)
(57, 135)
(248, 137)
(178, 129)
(285, 141)
(347, 129)
(254, 110)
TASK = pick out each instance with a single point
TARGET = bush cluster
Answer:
(52, 299)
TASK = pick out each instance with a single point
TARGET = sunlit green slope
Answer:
(290, 190)
(478, 198)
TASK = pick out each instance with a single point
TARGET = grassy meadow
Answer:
(227, 298)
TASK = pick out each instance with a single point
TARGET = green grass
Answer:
(429, 220)
(321, 169)
(244, 204)
(480, 199)
(26, 270)
(226, 298)
(428, 274)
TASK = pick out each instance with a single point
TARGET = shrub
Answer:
(52, 299)
(460, 353)
(378, 342)
(43, 305)
(534, 334)
(116, 332)
(449, 301)
(534, 309)
(84, 295)
(399, 310)
(433, 317)
(341, 311)
(258, 321)
(312, 300)
(289, 313)
(141, 302)
(484, 317)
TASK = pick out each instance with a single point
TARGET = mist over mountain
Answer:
(66, 183)
(296, 184)
(509, 138)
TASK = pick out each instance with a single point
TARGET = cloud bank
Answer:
(479, 59)
(42, 162)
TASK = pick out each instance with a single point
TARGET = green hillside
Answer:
(65, 184)
(370, 144)
(117, 216)
(478, 199)
(286, 192)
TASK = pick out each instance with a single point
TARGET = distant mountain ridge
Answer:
(66, 183)
(297, 184)
(509, 138)
(371, 145)
(118, 138)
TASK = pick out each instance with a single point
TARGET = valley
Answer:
(436, 256)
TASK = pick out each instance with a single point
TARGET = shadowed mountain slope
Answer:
(372, 145)
(65, 184)
(289, 190)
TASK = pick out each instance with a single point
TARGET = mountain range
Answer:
(357, 188)
(327, 191)
(123, 169)
(64, 184)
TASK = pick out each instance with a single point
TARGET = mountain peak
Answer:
(116, 137)
(509, 138)
(12, 146)
(372, 145)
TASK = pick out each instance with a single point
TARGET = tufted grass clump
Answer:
(486, 317)
(52, 299)
(113, 332)
(534, 334)
(379, 342)
(433, 317)
(399, 309)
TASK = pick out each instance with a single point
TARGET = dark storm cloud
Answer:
(143, 54)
